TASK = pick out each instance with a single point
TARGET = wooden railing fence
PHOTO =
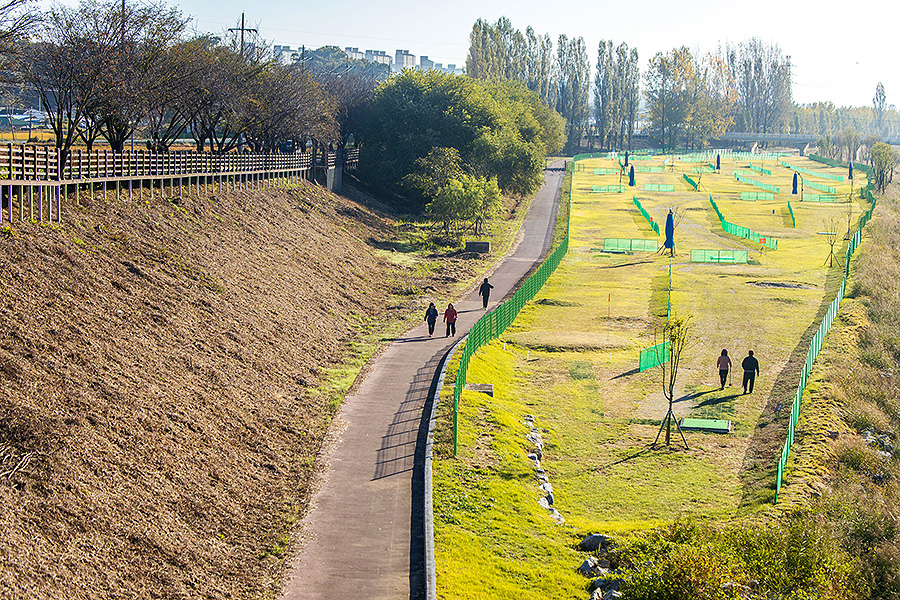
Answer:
(35, 179)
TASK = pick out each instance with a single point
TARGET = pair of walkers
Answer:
(750, 366)
(450, 316)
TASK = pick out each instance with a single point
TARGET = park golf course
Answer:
(571, 360)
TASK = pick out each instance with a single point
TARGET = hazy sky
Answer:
(839, 51)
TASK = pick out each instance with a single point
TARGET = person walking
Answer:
(485, 292)
(431, 316)
(450, 318)
(724, 364)
(751, 370)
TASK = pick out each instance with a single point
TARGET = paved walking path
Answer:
(363, 537)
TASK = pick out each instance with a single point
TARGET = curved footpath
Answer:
(363, 536)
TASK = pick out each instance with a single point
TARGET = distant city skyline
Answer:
(839, 52)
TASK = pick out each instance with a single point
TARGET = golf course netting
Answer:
(653, 224)
(491, 325)
(816, 344)
(741, 231)
(630, 245)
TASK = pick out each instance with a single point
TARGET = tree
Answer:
(676, 333)
(499, 129)
(879, 102)
(464, 202)
(573, 71)
(763, 79)
(884, 158)
(665, 94)
(18, 19)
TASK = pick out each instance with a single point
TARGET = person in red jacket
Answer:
(450, 319)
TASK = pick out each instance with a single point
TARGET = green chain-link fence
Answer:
(597, 189)
(630, 245)
(659, 187)
(819, 174)
(653, 356)
(719, 256)
(816, 345)
(491, 325)
(653, 224)
(760, 170)
(741, 231)
(819, 198)
(690, 181)
(819, 186)
(757, 196)
(755, 182)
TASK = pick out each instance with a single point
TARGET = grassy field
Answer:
(571, 360)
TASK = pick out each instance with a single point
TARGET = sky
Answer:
(839, 51)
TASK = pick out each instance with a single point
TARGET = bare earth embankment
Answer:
(166, 378)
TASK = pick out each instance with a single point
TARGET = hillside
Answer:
(167, 371)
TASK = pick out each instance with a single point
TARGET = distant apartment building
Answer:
(355, 53)
(403, 59)
(286, 54)
(426, 64)
(378, 56)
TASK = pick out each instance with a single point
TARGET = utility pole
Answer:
(242, 29)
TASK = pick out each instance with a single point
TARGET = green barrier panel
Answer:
(757, 183)
(712, 166)
(819, 338)
(607, 188)
(738, 173)
(605, 171)
(839, 163)
(757, 196)
(692, 183)
(653, 356)
(629, 245)
(653, 224)
(819, 186)
(719, 256)
(791, 210)
(818, 174)
(649, 169)
(703, 169)
(741, 231)
(819, 198)
(760, 170)
(659, 187)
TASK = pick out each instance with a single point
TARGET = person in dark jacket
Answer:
(751, 370)
(450, 319)
(431, 316)
(485, 292)
(724, 365)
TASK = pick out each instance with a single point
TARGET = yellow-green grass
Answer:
(584, 331)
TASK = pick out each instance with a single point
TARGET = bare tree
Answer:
(676, 334)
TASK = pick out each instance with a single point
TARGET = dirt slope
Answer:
(158, 366)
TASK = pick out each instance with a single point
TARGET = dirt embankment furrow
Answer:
(158, 370)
